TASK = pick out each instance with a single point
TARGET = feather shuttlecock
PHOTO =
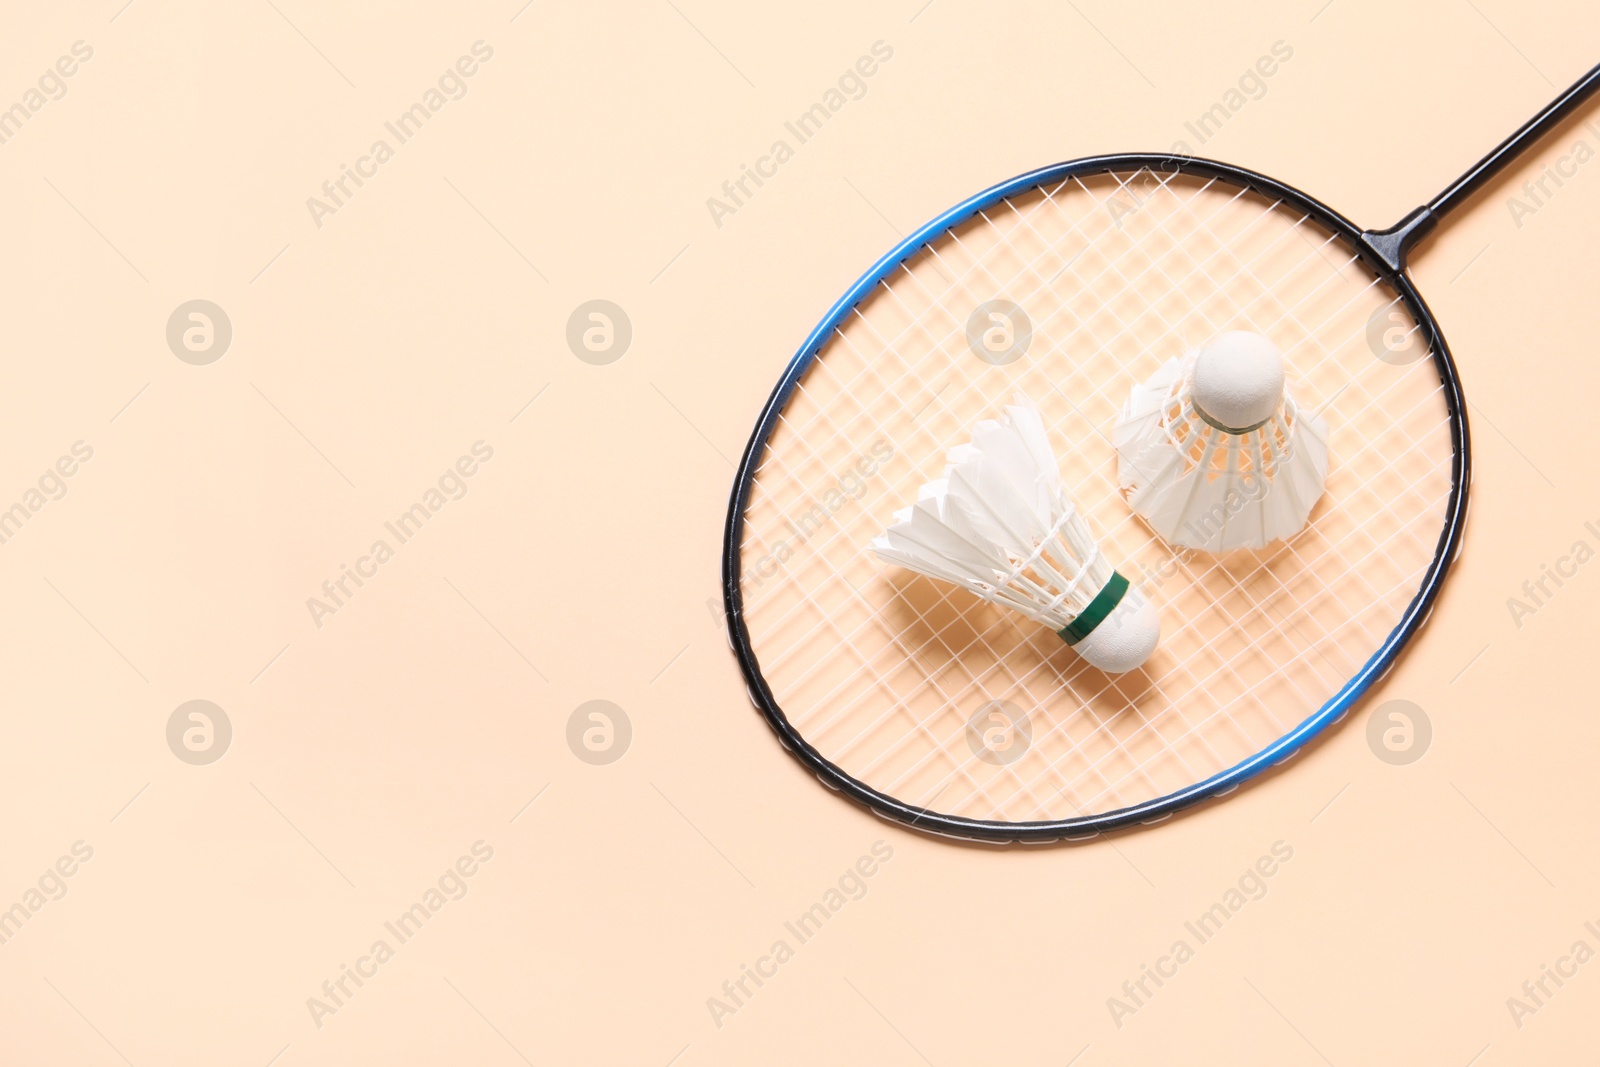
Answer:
(1001, 525)
(1214, 453)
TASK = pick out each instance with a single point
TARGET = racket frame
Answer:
(1379, 258)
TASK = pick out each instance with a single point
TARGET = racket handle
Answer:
(1391, 245)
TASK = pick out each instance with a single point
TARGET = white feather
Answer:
(1203, 487)
(1001, 525)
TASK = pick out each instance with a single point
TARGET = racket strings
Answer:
(852, 385)
(1352, 569)
(1011, 661)
(934, 299)
(934, 303)
(895, 386)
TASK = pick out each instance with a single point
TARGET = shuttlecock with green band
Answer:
(1001, 525)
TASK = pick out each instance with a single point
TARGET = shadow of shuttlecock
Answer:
(971, 649)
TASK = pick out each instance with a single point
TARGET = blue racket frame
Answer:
(1386, 263)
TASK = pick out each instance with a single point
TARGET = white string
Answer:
(867, 662)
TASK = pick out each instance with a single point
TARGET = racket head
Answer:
(1171, 173)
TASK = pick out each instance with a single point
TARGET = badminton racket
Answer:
(1070, 285)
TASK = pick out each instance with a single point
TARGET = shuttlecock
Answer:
(1001, 525)
(1214, 453)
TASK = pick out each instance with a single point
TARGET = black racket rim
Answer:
(1225, 781)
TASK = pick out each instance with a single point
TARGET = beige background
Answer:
(425, 315)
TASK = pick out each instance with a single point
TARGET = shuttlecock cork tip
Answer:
(1238, 381)
(1125, 638)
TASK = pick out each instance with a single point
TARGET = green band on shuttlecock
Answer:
(1104, 603)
